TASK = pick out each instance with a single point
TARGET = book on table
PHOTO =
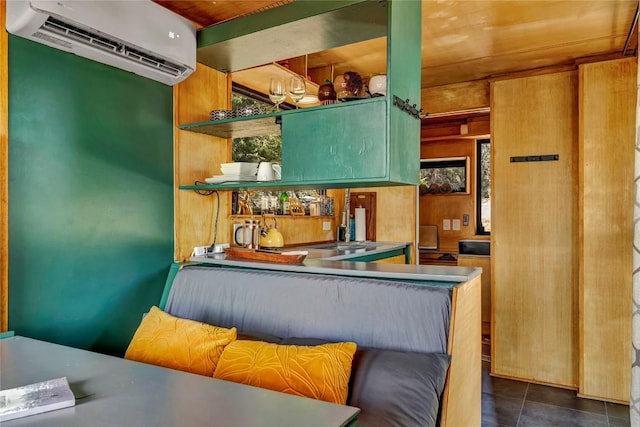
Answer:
(35, 399)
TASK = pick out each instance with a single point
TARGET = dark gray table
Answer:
(116, 392)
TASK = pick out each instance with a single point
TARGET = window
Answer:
(447, 175)
(267, 148)
(483, 187)
(261, 148)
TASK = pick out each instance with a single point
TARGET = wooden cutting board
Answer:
(367, 200)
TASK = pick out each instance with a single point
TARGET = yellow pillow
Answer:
(183, 344)
(320, 372)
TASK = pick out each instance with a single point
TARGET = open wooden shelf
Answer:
(260, 124)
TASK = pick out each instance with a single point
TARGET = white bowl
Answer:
(378, 85)
(239, 168)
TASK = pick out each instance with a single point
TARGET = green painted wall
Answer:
(90, 197)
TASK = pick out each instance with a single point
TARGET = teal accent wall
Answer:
(90, 197)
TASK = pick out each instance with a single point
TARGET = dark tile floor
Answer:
(507, 403)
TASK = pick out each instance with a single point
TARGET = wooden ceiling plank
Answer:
(463, 40)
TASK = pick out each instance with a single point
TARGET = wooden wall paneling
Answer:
(456, 97)
(433, 208)
(296, 229)
(298, 65)
(534, 229)
(607, 133)
(4, 173)
(396, 215)
(320, 74)
(197, 157)
(479, 126)
(483, 262)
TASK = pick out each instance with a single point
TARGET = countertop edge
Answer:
(359, 269)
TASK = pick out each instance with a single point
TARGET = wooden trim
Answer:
(461, 401)
(533, 72)
(4, 173)
(599, 58)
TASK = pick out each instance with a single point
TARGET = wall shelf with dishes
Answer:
(367, 142)
(257, 79)
(267, 123)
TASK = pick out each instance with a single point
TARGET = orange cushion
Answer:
(183, 344)
(321, 372)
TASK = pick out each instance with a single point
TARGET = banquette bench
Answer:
(418, 357)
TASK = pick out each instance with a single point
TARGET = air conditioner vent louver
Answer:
(57, 40)
(139, 36)
(66, 30)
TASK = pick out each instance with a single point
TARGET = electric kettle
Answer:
(270, 237)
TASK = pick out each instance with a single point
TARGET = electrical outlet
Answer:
(446, 224)
(465, 220)
(326, 225)
(200, 250)
(456, 225)
(220, 247)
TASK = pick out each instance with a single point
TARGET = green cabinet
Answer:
(370, 142)
(343, 145)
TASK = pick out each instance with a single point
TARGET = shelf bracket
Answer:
(405, 105)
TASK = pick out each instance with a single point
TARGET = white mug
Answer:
(268, 171)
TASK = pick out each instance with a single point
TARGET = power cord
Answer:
(211, 248)
(215, 227)
(203, 192)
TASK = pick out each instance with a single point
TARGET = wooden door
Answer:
(366, 200)
(607, 124)
(534, 229)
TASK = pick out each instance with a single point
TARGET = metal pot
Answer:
(270, 237)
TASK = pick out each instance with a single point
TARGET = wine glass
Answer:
(277, 91)
(297, 88)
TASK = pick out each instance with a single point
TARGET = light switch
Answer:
(456, 225)
(446, 224)
(326, 225)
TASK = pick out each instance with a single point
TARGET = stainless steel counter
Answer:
(337, 260)
(339, 251)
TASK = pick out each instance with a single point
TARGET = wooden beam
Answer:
(456, 98)
(474, 127)
(4, 173)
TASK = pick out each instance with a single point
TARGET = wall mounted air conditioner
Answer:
(135, 35)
